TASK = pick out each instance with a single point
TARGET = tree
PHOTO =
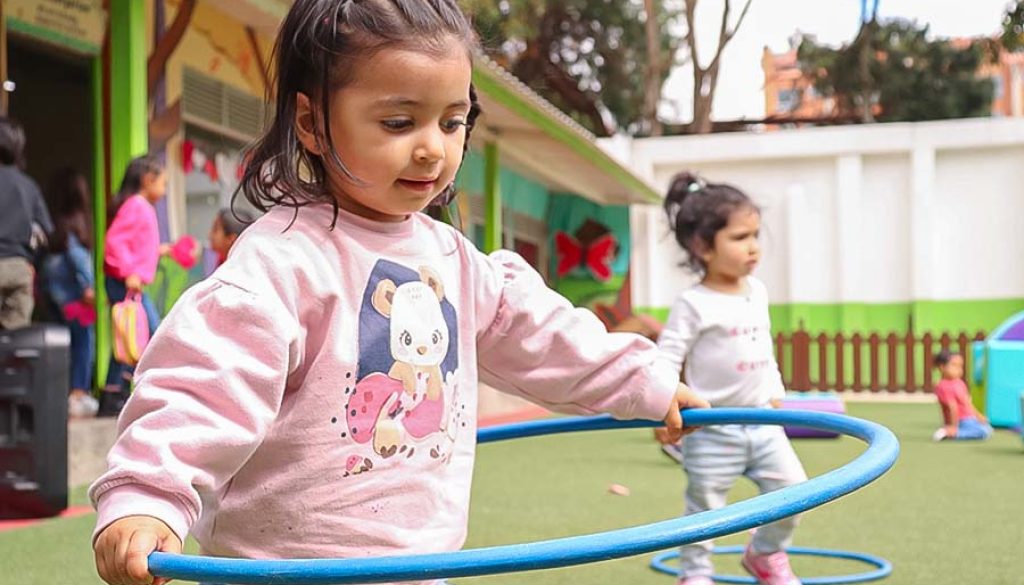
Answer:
(653, 76)
(588, 57)
(1013, 27)
(705, 79)
(894, 72)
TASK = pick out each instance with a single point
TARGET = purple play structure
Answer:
(817, 401)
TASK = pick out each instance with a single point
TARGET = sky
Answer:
(773, 22)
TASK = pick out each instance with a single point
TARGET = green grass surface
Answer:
(947, 513)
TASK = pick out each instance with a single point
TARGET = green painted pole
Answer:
(129, 135)
(128, 116)
(99, 223)
(492, 199)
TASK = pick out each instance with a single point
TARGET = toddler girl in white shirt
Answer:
(721, 329)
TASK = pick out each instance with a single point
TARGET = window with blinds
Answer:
(218, 107)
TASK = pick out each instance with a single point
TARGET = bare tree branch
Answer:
(652, 82)
(727, 35)
(691, 36)
(705, 79)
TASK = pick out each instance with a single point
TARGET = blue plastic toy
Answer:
(999, 366)
(880, 455)
(882, 567)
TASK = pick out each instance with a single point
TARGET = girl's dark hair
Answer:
(697, 209)
(942, 358)
(67, 197)
(131, 184)
(316, 48)
(12, 142)
(234, 221)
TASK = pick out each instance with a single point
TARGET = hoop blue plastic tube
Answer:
(883, 568)
(880, 455)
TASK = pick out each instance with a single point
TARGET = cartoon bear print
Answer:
(419, 334)
(409, 400)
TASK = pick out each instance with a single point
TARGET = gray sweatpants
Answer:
(714, 458)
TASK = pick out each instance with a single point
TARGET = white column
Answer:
(643, 233)
(639, 255)
(922, 196)
(849, 181)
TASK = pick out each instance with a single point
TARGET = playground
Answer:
(548, 487)
(879, 275)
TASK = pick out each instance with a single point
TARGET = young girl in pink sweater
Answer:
(317, 396)
(131, 253)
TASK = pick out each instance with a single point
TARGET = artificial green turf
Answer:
(947, 513)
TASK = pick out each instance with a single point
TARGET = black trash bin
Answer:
(35, 365)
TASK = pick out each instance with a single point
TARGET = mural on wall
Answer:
(207, 40)
(189, 33)
(226, 49)
(165, 120)
(591, 249)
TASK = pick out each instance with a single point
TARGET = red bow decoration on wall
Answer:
(597, 257)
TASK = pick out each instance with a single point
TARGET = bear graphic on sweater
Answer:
(419, 334)
(408, 401)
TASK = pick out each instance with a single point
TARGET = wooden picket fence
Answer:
(871, 363)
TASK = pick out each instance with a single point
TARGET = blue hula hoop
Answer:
(883, 568)
(880, 455)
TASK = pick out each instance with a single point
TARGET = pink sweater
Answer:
(133, 241)
(317, 396)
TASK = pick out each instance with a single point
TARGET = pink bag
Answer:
(131, 329)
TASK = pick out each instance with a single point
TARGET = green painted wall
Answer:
(882, 318)
(560, 211)
(937, 316)
(519, 193)
(471, 174)
(568, 212)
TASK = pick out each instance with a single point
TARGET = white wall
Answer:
(880, 213)
(979, 223)
(879, 226)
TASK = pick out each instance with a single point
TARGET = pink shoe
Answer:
(769, 569)
(696, 580)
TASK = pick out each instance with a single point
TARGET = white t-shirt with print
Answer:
(725, 341)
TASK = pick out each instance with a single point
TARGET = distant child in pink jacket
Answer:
(132, 250)
(317, 395)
